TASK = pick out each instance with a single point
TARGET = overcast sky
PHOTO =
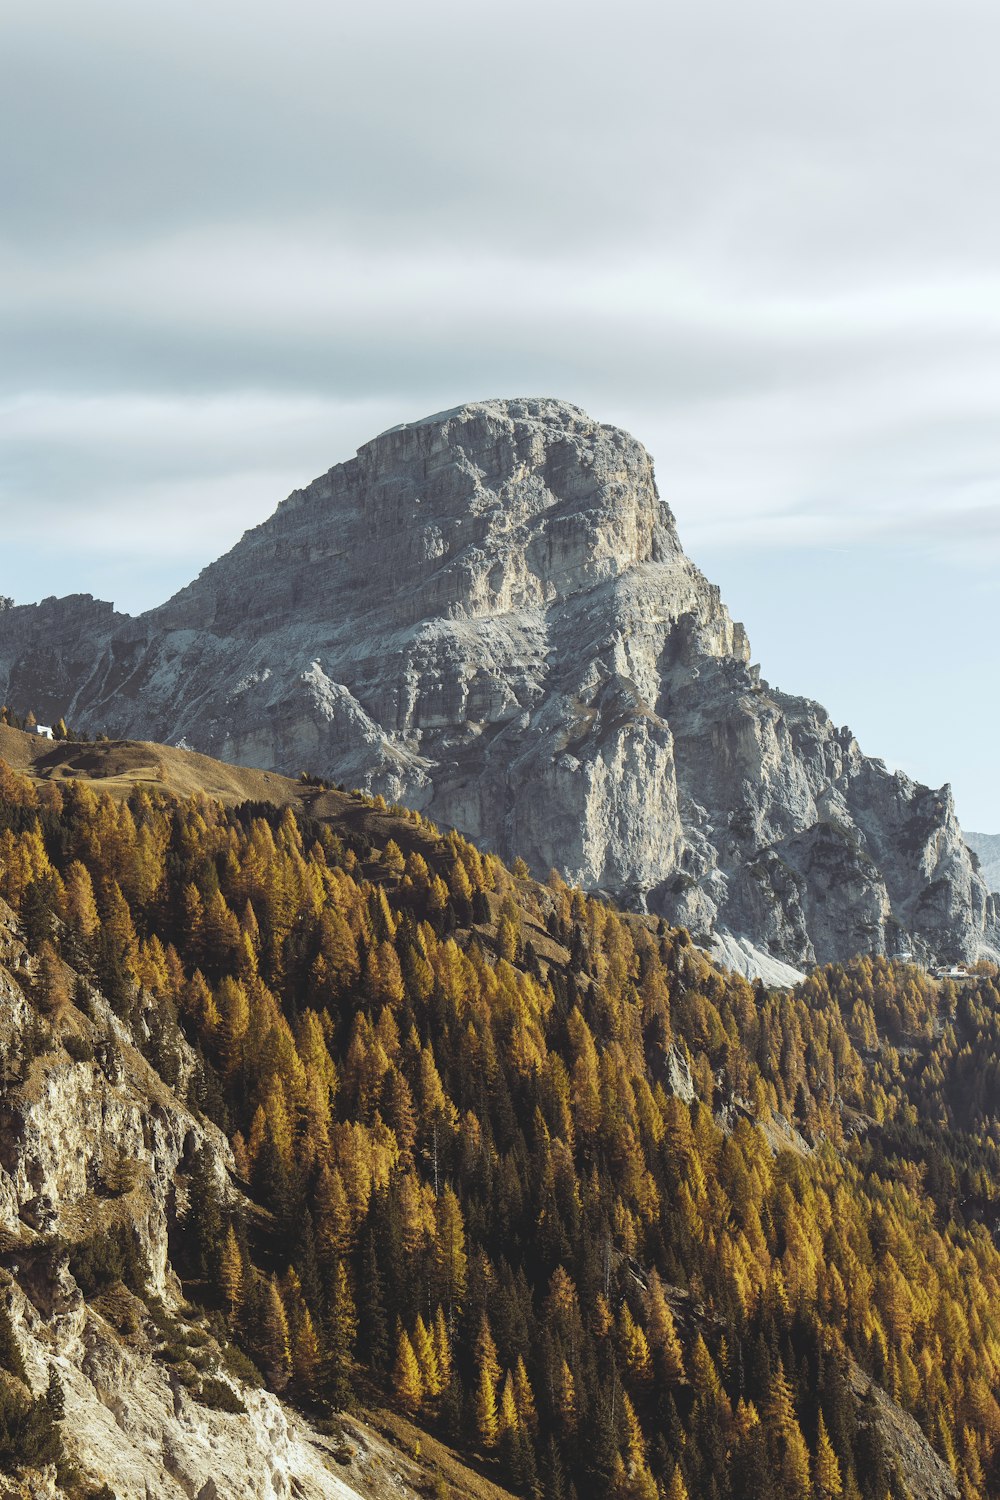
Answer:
(237, 240)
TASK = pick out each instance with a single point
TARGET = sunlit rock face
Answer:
(488, 615)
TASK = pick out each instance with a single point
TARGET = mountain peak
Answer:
(543, 410)
(488, 614)
(493, 507)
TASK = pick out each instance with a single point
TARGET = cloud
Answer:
(776, 418)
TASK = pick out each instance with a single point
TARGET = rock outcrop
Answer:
(488, 615)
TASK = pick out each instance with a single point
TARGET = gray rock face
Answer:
(489, 615)
(986, 847)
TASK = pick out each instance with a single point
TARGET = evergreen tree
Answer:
(275, 1340)
(828, 1483)
(487, 1420)
(231, 1272)
(306, 1356)
(427, 1360)
(406, 1381)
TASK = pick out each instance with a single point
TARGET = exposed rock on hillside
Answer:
(927, 1477)
(489, 615)
(94, 1144)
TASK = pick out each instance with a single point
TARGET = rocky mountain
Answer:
(987, 847)
(488, 615)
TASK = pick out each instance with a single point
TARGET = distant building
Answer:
(44, 731)
(951, 971)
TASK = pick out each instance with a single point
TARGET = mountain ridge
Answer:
(488, 615)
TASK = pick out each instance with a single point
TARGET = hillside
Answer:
(120, 766)
(302, 1115)
(98, 1154)
(489, 616)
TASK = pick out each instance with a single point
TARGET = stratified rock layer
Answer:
(489, 615)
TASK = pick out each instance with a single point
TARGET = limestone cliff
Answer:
(489, 615)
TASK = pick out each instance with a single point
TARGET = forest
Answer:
(533, 1169)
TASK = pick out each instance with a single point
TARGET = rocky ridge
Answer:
(488, 615)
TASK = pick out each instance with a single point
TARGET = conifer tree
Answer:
(486, 1351)
(507, 1415)
(80, 906)
(275, 1339)
(828, 1483)
(525, 1398)
(54, 1397)
(332, 1215)
(485, 1405)
(204, 1217)
(790, 1455)
(452, 1261)
(676, 1488)
(53, 982)
(231, 1272)
(635, 1349)
(306, 1355)
(442, 1348)
(406, 1380)
(342, 1329)
(373, 1325)
(565, 1398)
(557, 1486)
(662, 1333)
(423, 1348)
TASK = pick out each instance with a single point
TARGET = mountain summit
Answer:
(488, 615)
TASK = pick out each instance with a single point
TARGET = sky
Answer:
(238, 240)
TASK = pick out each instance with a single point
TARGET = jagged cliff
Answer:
(488, 615)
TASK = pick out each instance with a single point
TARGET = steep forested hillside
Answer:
(533, 1170)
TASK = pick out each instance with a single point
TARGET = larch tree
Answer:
(406, 1380)
(275, 1337)
(53, 982)
(426, 1353)
(485, 1406)
(231, 1272)
(828, 1483)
